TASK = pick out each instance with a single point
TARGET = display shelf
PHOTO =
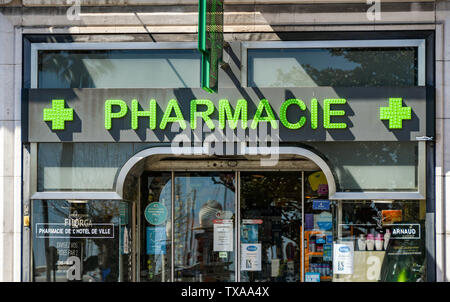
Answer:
(309, 254)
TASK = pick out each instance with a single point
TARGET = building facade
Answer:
(321, 157)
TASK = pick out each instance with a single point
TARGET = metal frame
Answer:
(137, 237)
(419, 43)
(202, 151)
(237, 225)
(26, 267)
(36, 47)
(302, 235)
(172, 220)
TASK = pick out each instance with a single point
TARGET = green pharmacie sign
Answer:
(158, 115)
(395, 113)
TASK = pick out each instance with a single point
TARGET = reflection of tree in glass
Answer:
(280, 191)
(367, 154)
(107, 258)
(375, 67)
(74, 68)
(225, 179)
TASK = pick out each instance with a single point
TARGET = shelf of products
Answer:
(318, 254)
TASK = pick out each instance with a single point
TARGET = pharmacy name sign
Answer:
(295, 114)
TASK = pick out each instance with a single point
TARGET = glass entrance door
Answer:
(271, 220)
(275, 226)
(204, 240)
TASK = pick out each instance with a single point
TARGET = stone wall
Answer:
(443, 140)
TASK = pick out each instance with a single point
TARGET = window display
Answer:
(288, 232)
(318, 229)
(389, 240)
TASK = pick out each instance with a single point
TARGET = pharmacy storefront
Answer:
(312, 163)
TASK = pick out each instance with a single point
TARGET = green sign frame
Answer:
(210, 42)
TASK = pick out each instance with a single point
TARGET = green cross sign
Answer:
(58, 114)
(395, 113)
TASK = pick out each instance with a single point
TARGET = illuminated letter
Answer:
(264, 104)
(283, 111)
(172, 105)
(327, 113)
(314, 113)
(225, 114)
(204, 114)
(135, 114)
(109, 115)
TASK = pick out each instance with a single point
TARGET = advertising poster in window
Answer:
(223, 235)
(312, 277)
(156, 240)
(249, 233)
(343, 258)
(250, 256)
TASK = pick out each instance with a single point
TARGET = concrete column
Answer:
(443, 140)
(10, 151)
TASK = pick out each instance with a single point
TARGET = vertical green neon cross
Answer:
(58, 114)
(395, 113)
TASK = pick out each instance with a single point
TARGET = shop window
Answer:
(386, 238)
(118, 68)
(81, 241)
(338, 67)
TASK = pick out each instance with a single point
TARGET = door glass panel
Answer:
(271, 219)
(204, 227)
(126, 241)
(155, 261)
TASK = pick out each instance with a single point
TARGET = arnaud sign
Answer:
(313, 114)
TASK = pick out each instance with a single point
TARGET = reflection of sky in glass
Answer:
(319, 58)
(165, 196)
(205, 189)
(387, 166)
(193, 192)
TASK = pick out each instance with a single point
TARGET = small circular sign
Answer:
(155, 213)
